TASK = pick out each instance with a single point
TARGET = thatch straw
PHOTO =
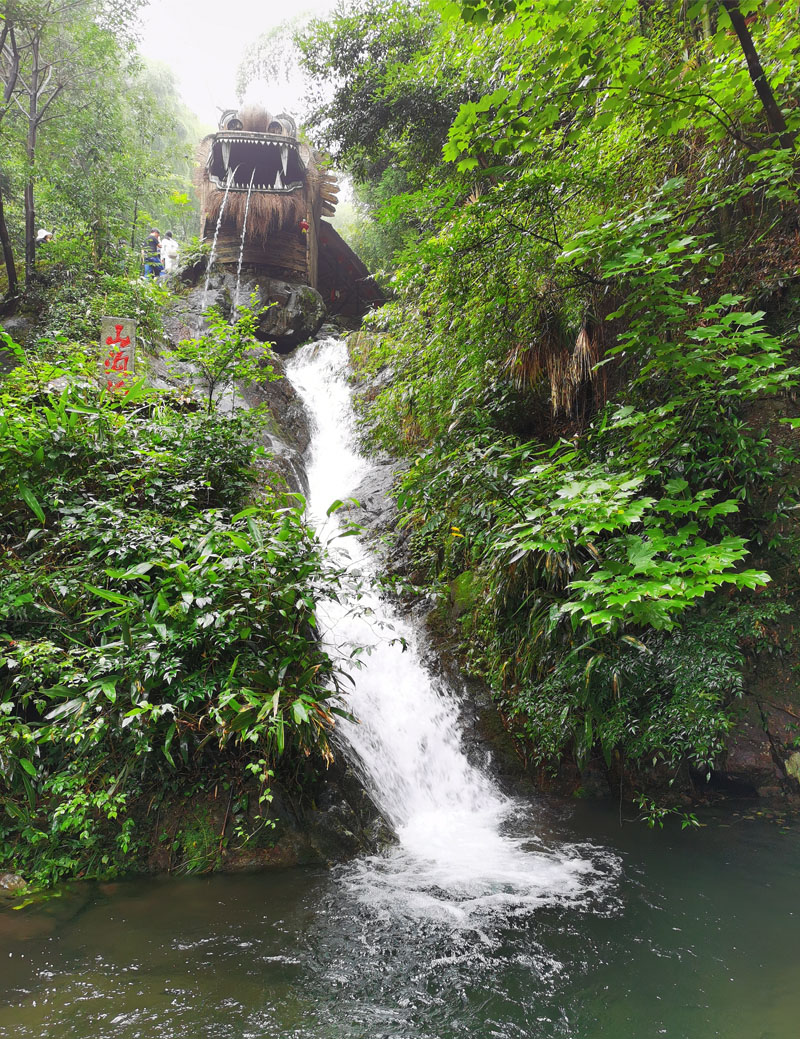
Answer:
(269, 211)
(570, 372)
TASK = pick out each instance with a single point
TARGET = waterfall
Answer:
(241, 251)
(213, 252)
(462, 844)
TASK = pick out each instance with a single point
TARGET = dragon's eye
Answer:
(234, 124)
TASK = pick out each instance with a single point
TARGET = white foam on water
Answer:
(456, 856)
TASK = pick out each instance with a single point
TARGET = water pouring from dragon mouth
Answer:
(235, 313)
(213, 253)
(464, 849)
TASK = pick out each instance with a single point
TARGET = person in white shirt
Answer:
(169, 253)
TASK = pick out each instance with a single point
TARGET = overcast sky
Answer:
(203, 42)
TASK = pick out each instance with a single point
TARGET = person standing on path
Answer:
(169, 253)
(151, 254)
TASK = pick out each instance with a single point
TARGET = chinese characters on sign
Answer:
(118, 342)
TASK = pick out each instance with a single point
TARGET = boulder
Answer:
(749, 763)
(295, 312)
(283, 403)
(374, 509)
(11, 884)
(286, 434)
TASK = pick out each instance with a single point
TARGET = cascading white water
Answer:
(455, 854)
(213, 253)
(241, 250)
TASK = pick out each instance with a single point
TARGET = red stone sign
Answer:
(118, 342)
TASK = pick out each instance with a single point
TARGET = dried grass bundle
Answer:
(268, 212)
(585, 355)
(568, 371)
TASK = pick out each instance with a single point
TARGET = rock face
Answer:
(749, 763)
(295, 312)
(288, 434)
(331, 820)
(285, 433)
(373, 508)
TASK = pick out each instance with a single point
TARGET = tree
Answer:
(225, 352)
(775, 119)
(9, 68)
(577, 359)
(398, 77)
(589, 69)
(55, 52)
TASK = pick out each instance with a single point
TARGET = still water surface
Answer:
(696, 937)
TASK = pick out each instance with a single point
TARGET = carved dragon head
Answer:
(258, 154)
(256, 148)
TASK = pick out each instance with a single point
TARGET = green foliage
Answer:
(678, 71)
(381, 110)
(662, 698)
(156, 628)
(196, 845)
(579, 373)
(110, 141)
(386, 81)
(225, 352)
(75, 290)
(653, 814)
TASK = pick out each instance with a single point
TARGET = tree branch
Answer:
(775, 120)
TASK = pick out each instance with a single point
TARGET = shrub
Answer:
(156, 628)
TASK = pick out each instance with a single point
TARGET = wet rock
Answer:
(374, 509)
(11, 884)
(749, 761)
(295, 311)
(283, 427)
(182, 317)
(594, 782)
(287, 432)
(330, 820)
(287, 853)
(175, 375)
(486, 741)
(280, 398)
(750, 756)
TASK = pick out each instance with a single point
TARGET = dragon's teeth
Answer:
(284, 157)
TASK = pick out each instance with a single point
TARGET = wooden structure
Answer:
(258, 178)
